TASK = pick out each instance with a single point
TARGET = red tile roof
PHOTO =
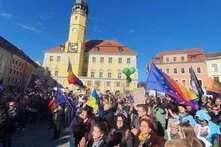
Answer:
(213, 55)
(193, 51)
(101, 47)
(197, 52)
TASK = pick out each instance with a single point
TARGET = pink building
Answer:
(177, 63)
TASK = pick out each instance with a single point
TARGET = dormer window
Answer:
(193, 57)
(96, 49)
(157, 60)
(61, 47)
(120, 49)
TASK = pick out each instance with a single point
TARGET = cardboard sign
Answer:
(139, 95)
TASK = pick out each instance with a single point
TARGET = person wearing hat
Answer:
(210, 129)
(183, 116)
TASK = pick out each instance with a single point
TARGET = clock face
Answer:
(74, 30)
(73, 47)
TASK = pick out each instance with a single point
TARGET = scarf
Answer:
(143, 138)
(97, 142)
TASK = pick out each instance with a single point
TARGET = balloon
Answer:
(126, 70)
(129, 71)
(128, 79)
(132, 70)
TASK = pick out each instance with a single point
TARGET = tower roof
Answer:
(81, 4)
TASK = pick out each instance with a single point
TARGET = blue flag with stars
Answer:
(157, 81)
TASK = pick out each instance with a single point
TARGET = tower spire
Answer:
(81, 5)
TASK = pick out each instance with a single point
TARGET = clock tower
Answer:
(75, 45)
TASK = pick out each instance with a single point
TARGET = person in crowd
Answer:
(57, 120)
(12, 120)
(183, 116)
(3, 127)
(120, 133)
(177, 143)
(206, 127)
(99, 133)
(186, 131)
(121, 108)
(147, 136)
(51, 106)
(172, 130)
(85, 126)
(108, 115)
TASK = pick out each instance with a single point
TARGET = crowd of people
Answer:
(160, 121)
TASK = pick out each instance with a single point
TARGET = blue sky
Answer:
(146, 26)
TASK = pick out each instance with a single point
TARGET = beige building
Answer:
(213, 61)
(98, 63)
(177, 63)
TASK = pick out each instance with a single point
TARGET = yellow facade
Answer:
(56, 60)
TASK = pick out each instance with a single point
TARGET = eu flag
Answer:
(157, 81)
(62, 99)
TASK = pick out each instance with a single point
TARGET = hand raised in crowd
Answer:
(83, 142)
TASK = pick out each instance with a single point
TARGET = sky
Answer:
(145, 26)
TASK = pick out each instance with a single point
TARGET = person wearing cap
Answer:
(202, 117)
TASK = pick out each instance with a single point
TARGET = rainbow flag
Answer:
(158, 80)
(72, 78)
(94, 102)
(214, 85)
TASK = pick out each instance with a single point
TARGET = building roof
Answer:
(197, 53)
(194, 51)
(100, 47)
(13, 49)
(213, 55)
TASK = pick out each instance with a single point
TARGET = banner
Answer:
(214, 86)
(138, 96)
(36, 84)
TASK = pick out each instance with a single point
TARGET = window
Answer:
(93, 59)
(182, 70)
(175, 70)
(110, 60)
(157, 60)
(120, 60)
(102, 60)
(101, 75)
(49, 72)
(167, 59)
(168, 71)
(86, 59)
(214, 67)
(58, 58)
(92, 74)
(194, 57)
(182, 58)
(198, 70)
(108, 83)
(128, 60)
(51, 58)
(109, 75)
(118, 84)
(56, 73)
(174, 59)
(119, 75)
(184, 82)
(76, 17)
(98, 83)
(216, 78)
(200, 82)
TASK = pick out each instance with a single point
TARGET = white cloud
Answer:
(30, 28)
(6, 15)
